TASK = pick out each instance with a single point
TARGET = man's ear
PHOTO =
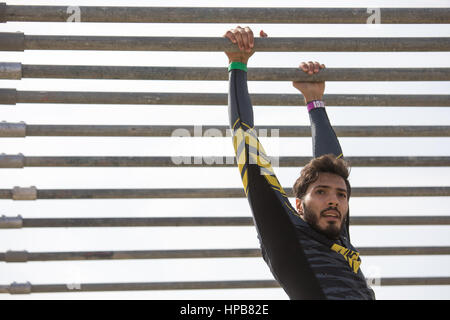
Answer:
(298, 205)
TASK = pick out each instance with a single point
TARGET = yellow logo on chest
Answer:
(350, 256)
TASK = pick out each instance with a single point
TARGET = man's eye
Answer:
(320, 192)
(342, 195)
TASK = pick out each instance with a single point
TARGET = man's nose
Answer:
(332, 204)
(333, 200)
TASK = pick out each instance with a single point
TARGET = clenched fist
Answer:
(311, 90)
(243, 37)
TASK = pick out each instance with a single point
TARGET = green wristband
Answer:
(237, 65)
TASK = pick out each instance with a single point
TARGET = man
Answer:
(308, 250)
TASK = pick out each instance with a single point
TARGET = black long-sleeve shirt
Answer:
(306, 264)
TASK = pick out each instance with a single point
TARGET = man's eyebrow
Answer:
(328, 187)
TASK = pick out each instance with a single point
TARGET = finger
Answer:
(316, 67)
(304, 67)
(244, 37)
(311, 67)
(230, 36)
(262, 34)
(251, 38)
(239, 40)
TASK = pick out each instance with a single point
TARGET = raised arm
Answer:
(323, 136)
(268, 201)
(249, 150)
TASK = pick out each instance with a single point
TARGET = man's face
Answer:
(325, 205)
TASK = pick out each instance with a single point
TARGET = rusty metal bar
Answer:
(3, 17)
(400, 192)
(12, 41)
(12, 129)
(393, 251)
(46, 42)
(418, 281)
(21, 193)
(27, 288)
(21, 161)
(130, 222)
(8, 96)
(25, 256)
(63, 42)
(205, 193)
(18, 222)
(8, 129)
(12, 161)
(10, 71)
(11, 222)
(217, 73)
(11, 96)
(399, 220)
(224, 15)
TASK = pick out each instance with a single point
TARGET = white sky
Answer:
(93, 239)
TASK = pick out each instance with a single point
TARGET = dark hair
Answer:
(326, 163)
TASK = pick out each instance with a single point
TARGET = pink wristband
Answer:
(315, 104)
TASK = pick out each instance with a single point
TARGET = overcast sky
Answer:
(94, 239)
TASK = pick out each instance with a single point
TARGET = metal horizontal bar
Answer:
(21, 161)
(27, 288)
(19, 222)
(9, 129)
(221, 74)
(12, 41)
(12, 129)
(417, 281)
(394, 251)
(224, 15)
(120, 43)
(10, 96)
(25, 256)
(3, 17)
(130, 222)
(399, 220)
(203, 193)
(10, 71)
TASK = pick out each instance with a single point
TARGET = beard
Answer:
(331, 231)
